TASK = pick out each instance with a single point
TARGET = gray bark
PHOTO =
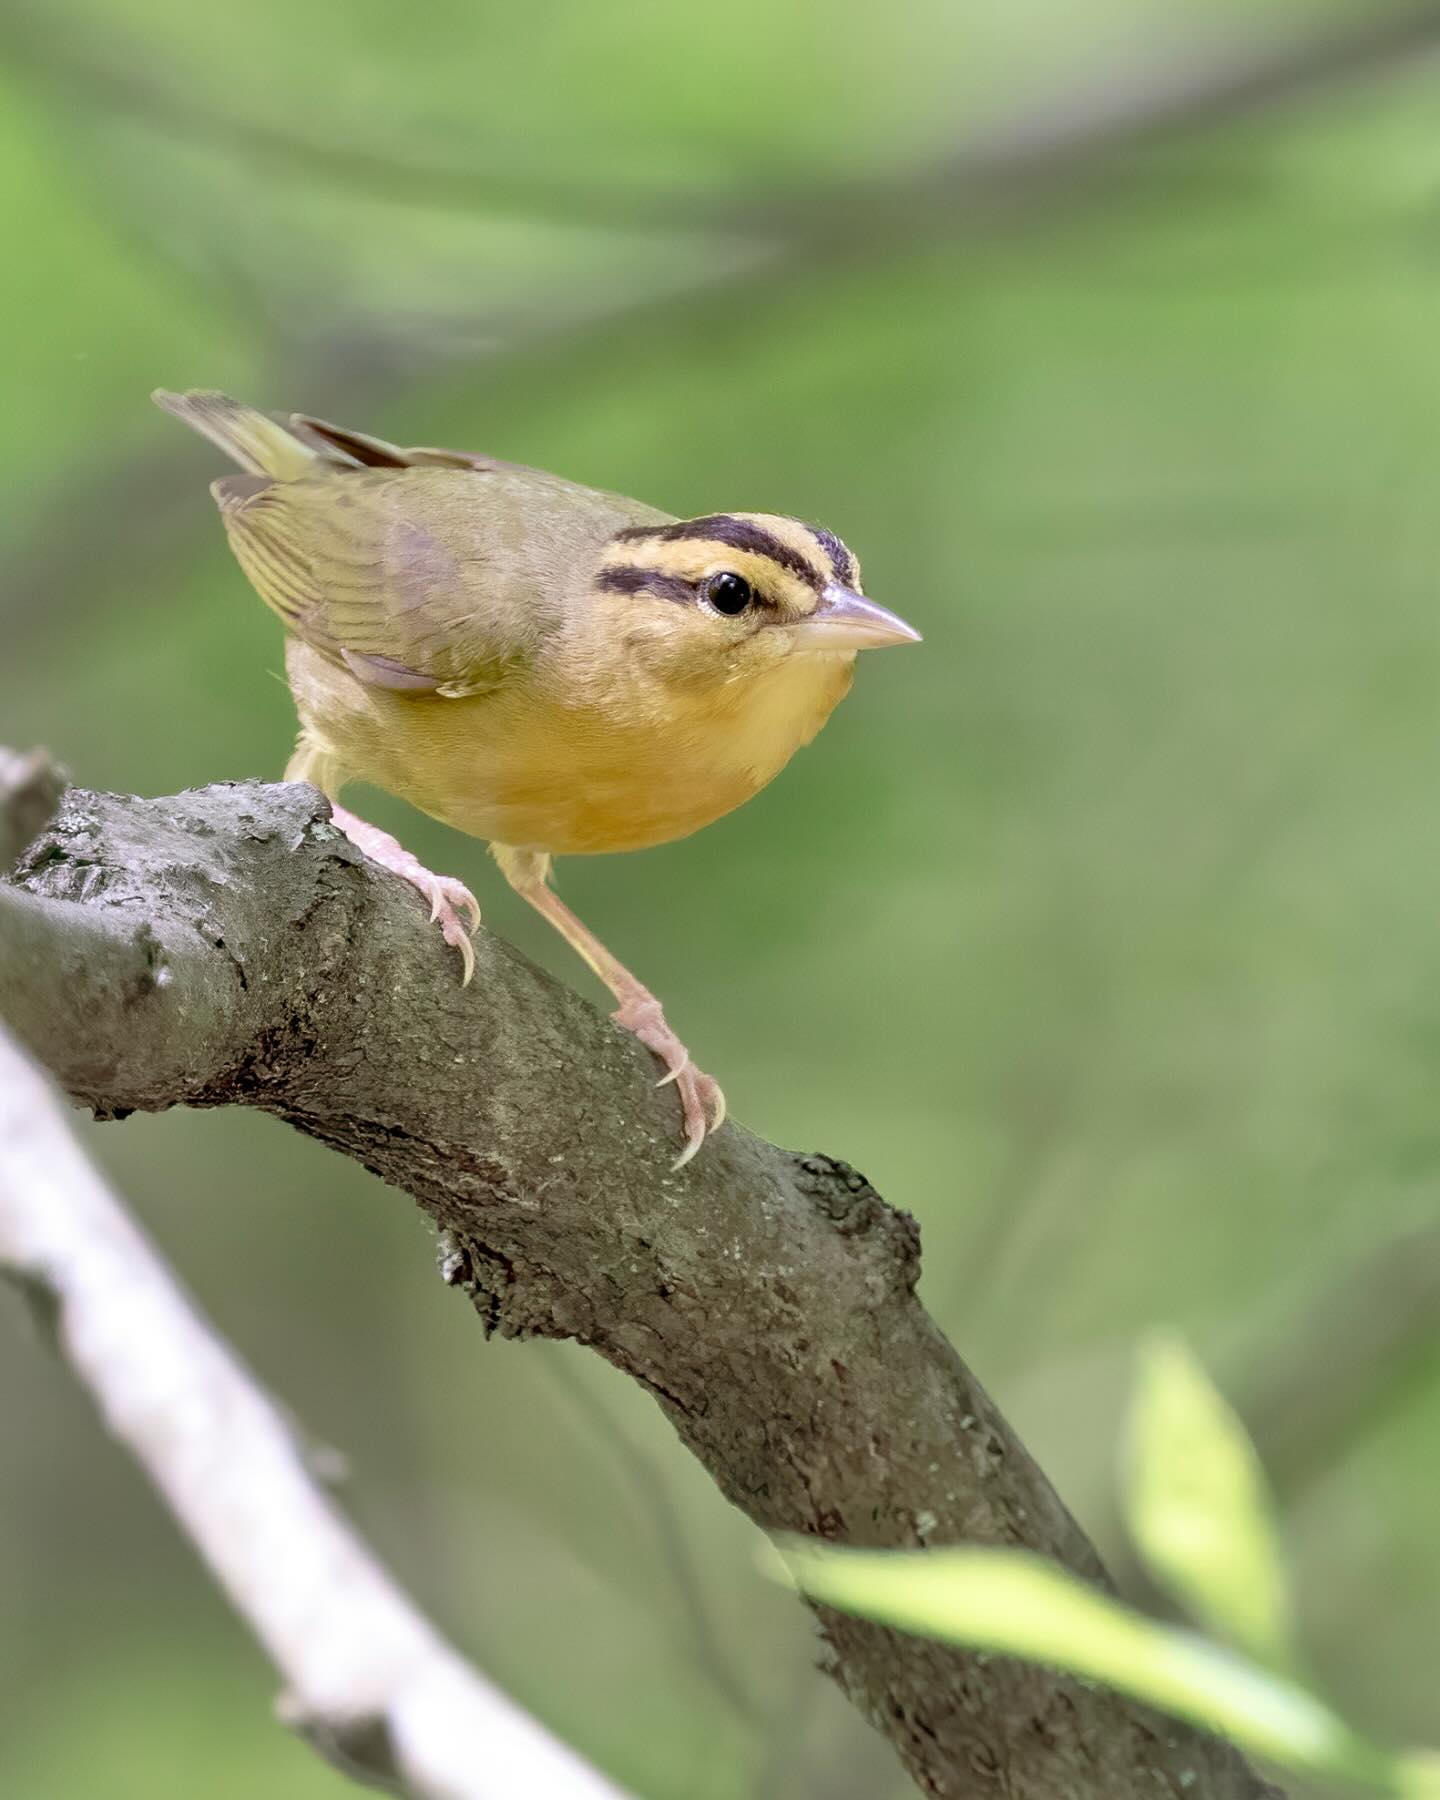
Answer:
(229, 947)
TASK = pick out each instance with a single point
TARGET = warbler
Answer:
(556, 670)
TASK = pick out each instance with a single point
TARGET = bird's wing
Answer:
(438, 579)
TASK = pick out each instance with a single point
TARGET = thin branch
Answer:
(234, 948)
(370, 1683)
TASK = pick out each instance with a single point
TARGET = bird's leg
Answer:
(638, 1012)
(449, 899)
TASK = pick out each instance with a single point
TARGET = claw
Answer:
(449, 900)
(697, 1125)
(461, 942)
(692, 1144)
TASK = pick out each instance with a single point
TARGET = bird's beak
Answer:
(845, 620)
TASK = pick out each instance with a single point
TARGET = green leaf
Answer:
(1199, 1507)
(1016, 1604)
(1419, 1776)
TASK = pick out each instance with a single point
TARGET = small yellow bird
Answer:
(556, 670)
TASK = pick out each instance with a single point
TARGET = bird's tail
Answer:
(260, 444)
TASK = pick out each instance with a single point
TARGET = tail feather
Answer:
(261, 445)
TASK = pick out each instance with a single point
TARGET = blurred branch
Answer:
(1146, 104)
(371, 1684)
(1047, 148)
(131, 92)
(1309, 1394)
(1052, 142)
(229, 946)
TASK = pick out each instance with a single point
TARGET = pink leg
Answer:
(639, 1011)
(448, 897)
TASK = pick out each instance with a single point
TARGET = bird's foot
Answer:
(451, 902)
(701, 1098)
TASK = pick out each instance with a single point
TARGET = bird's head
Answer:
(720, 597)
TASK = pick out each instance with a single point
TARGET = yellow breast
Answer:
(567, 773)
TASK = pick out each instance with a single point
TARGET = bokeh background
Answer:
(1101, 932)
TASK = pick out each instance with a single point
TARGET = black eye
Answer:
(728, 593)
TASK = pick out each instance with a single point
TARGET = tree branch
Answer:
(229, 946)
(371, 1684)
(1315, 1381)
(1133, 107)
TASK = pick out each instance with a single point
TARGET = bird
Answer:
(556, 670)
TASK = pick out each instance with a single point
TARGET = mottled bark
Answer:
(229, 947)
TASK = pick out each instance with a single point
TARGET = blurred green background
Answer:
(1100, 932)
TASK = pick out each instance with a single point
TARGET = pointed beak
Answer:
(845, 620)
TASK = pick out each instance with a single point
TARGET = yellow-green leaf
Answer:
(1199, 1506)
(1016, 1604)
(1419, 1776)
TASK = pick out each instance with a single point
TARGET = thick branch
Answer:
(370, 1682)
(236, 949)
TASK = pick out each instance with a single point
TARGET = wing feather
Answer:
(359, 567)
(420, 570)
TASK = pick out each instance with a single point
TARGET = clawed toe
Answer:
(457, 912)
(704, 1104)
(460, 896)
(456, 933)
(717, 1097)
(448, 897)
(701, 1101)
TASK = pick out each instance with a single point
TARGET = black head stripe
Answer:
(738, 534)
(842, 562)
(629, 580)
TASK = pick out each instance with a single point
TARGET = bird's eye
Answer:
(728, 593)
